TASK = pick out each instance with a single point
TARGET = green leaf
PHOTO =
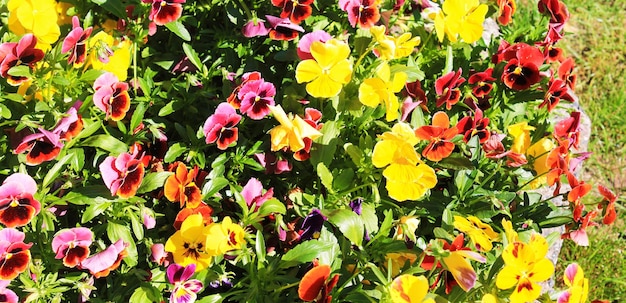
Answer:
(19, 71)
(216, 298)
(174, 152)
(116, 231)
(108, 143)
(138, 115)
(349, 223)
(212, 186)
(368, 215)
(192, 55)
(325, 175)
(153, 181)
(93, 210)
(53, 173)
(259, 246)
(272, 206)
(304, 252)
(116, 7)
(91, 75)
(456, 162)
(136, 225)
(146, 293)
(179, 29)
(5, 112)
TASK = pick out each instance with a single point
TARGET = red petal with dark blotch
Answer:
(283, 33)
(11, 267)
(227, 136)
(299, 13)
(74, 129)
(41, 152)
(166, 13)
(17, 215)
(120, 104)
(133, 179)
(312, 282)
(75, 255)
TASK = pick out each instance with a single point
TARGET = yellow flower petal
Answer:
(307, 71)
(408, 289)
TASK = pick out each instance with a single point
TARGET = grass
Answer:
(597, 42)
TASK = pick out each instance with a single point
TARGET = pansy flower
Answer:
(71, 124)
(14, 253)
(256, 97)
(328, 71)
(165, 11)
(408, 178)
(102, 263)
(17, 204)
(609, 213)
(315, 285)
(474, 126)
(304, 44)
(108, 54)
(557, 91)
(283, 28)
(525, 265)
(185, 290)
(447, 89)
(480, 233)
(38, 17)
(566, 72)
(40, 147)
(362, 13)
(579, 235)
(224, 236)
(522, 69)
(158, 254)
(7, 295)
(202, 209)
(22, 53)
(72, 245)
(538, 152)
(409, 289)
(506, 9)
(569, 128)
(414, 96)
(295, 10)
(399, 261)
(220, 127)
(111, 96)
(253, 194)
(312, 225)
(481, 81)
(181, 186)
(521, 136)
(188, 245)
(439, 135)
(233, 98)
(388, 47)
(313, 117)
(383, 89)
(122, 174)
(557, 10)
(578, 285)
(291, 131)
(255, 28)
(462, 18)
(273, 164)
(76, 42)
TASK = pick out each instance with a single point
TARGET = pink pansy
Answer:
(283, 28)
(255, 28)
(71, 124)
(111, 96)
(22, 53)
(17, 205)
(362, 13)
(247, 77)
(40, 147)
(220, 127)
(102, 263)
(148, 220)
(272, 164)
(122, 175)
(304, 45)
(14, 253)
(185, 289)
(158, 254)
(165, 11)
(7, 295)
(72, 245)
(256, 97)
(76, 41)
(253, 194)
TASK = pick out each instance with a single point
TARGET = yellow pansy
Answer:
(578, 285)
(224, 236)
(389, 47)
(521, 136)
(329, 69)
(189, 244)
(462, 18)
(539, 151)
(38, 17)
(406, 228)
(489, 298)
(509, 232)
(103, 45)
(291, 131)
(383, 88)
(409, 289)
(480, 233)
(398, 261)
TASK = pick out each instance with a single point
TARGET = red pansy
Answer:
(447, 89)
(522, 69)
(295, 10)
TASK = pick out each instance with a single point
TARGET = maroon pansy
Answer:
(122, 175)
(163, 12)
(363, 13)
(14, 253)
(283, 28)
(295, 10)
(22, 53)
(256, 98)
(233, 99)
(17, 205)
(220, 127)
(447, 89)
(474, 126)
(566, 72)
(557, 91)
(522, 71)
(481, 81)
(40, 147)
(76, 42)
(557, 10)
(111, 96)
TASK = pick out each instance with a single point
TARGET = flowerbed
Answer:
(256, 151)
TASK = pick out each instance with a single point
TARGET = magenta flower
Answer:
(122, 175)
(102, 263)
(17, 205)
(72, 245)
(158, 254)
(71, 124)
(220, 127)
(255, 28)
(256, 97)
(272, 164)
(111, 96)
(7, 295)
(40, 147)
(76, 41)
(362, 13)
(185, 290)
(253, 194)
(304, 45)
(14, 253)
(165, 11)
(22, 53)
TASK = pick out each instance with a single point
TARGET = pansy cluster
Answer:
(317, 151)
